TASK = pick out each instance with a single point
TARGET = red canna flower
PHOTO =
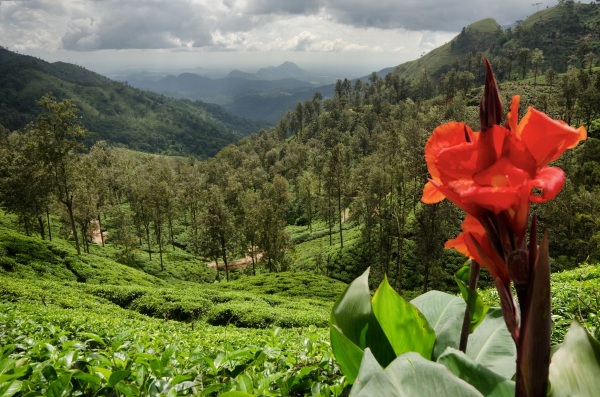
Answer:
(500, 169)
(494, 175)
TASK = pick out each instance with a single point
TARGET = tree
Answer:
(218, 231)
(537, 60)
(273, 239)
(57, 135)
(523, 57)
(24, 188)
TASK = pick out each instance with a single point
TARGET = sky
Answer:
(354, 36)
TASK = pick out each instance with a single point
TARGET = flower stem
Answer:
(473, 279)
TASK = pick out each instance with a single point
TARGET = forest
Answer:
(348, 164)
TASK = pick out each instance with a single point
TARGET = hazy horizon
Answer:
(351, 38)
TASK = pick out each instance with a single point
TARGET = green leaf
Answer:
(9, 389)
(347, 354)
(127, 390)
(89, 378)
(405, 327)
(477, 309)
(6, 365)
(445, 314)
(211, 389)
(353, 316)
(371, 376)
(91, 336)
(575, 367)
(236, 393)
(492, 346)
(49, 373)
(410, 375)
(118, 376)
(167, 354)
(489, 383)
(60, 387)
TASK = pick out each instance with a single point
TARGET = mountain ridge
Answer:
(117, 112)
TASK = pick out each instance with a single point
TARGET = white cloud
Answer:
(403, 28)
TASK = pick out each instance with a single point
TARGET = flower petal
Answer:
(443, 137)
(550, 181)
(545, 138)
(431, 194)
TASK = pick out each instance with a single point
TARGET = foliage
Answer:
(60, 351)
(116, 112)
(412, 330)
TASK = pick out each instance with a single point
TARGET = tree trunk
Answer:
(69, 204)
(100, 229)
(49, 227)
(42, 228)
(224, 257)
(147, 227)
(340, 213)
(159, 241)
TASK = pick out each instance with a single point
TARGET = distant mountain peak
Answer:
(285, 70)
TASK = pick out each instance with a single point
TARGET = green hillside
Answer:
(477, 37)
(116, 112)
(567, 34)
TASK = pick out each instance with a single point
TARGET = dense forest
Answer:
(116, 112)
(352, 164)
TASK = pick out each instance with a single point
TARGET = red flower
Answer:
(502, 169)
(473, 243)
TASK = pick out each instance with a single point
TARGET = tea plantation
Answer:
(86, 325)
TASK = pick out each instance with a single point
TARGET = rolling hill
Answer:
(117, 112)
(566, 33)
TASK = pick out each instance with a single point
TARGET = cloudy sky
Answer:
(360, 35)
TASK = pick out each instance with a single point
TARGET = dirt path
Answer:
(96, 238)
(236, 264)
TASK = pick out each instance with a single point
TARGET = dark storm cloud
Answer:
(291, 7)
(88, 25)
(438, 15)
(139, 24)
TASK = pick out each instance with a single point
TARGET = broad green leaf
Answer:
(244, 383)
(405, 327)
(353, 312)
(445, 314)
(180, 378)
(119, 340)
(118, 376)
(9, 389)
(6, 365)
(236, 393)
(354, 318)
(127, 390)
(14, 373)
(89, 378)
(211, 389)
(575, 367)
(167, 354)
(411, 375)
(492, 346)
(489, 383)
(371, 377)
(60, 387)
(347, 354)
(477, 309)
(103, 372)
(91, 336)
(49, 373)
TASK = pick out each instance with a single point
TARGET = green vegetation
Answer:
(116, 112)
(286, 216)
